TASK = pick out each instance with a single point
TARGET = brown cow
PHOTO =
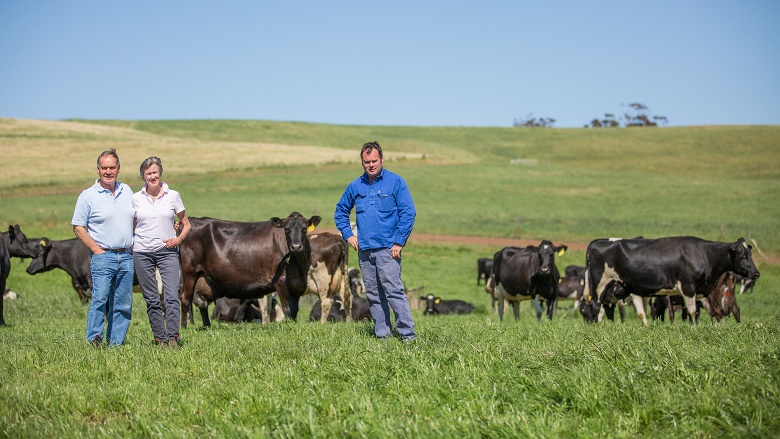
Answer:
(246, 260)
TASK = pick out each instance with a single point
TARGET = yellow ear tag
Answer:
(560, 253)
(310, 228)
(43, 242)
(437, 301)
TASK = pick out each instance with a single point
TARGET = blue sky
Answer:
(442, 63)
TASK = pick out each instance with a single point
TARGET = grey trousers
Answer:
(164, 326)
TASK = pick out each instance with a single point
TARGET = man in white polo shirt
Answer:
(103, 221)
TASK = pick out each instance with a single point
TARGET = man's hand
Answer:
(395, 250)
(352, 240)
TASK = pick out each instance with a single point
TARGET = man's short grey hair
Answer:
(111, 152)
(146, 164)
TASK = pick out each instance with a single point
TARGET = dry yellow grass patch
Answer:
(41, 152)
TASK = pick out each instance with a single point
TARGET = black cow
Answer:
(484, 268)
(435, 305)
(356, 282)
(5, 270)
(14, 244)
(70, 255)
(575, 270)
(246, 260)
(525, 273)
(18, 245)
(244, 310)
(360, 310)
(328, 276)
(682, 265)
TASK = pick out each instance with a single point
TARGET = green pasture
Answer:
(465, 376)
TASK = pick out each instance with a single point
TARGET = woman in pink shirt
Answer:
(157, 246)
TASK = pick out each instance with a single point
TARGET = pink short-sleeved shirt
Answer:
(154, 221)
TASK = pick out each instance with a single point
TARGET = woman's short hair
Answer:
(146, 164)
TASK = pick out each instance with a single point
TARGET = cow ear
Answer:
(437, 301)
(277, 222)
(562, 249)
(315, 220)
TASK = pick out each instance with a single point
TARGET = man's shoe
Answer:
(96, 343)
(173, 344)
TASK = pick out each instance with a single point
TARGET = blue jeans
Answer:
(112, 296)
(384, 290)
(167, 261)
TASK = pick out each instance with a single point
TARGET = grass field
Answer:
(466, 376)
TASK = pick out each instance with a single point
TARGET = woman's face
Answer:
(152, 176)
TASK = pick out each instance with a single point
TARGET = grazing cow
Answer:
(246, 260)
(525, 273)
(70, 255)
(360, 310)
(685, 266)
(435, 305)
(328, 273)
(723, 301)
(484, 268)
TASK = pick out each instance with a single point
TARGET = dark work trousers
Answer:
(167, 261)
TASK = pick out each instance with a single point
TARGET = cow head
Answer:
(296, 226)
(742, 259)
(430, 303)
(546, 252)
(38, 263)
(18, 244)
(589, 309)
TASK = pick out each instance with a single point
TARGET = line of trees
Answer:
(633, 115)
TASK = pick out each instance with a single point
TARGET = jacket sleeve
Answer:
(406, 212)
(343, 208)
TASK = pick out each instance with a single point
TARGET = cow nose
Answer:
(296, 247)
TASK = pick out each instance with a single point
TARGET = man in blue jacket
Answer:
(385, 216)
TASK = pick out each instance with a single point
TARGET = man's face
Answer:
(372, 164)
(108, 171)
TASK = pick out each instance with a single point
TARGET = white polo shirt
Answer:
(154, 220)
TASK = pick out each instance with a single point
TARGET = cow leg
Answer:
(710, 310)
(690, 305)
(326, 303)
(670, 307)
(640, 304)
(80, 291)
(500, 290)
(551, 307)
(204, 315)
(516, 309)
(735, 310)
(537, 307)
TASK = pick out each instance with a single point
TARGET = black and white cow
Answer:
(436, 305)
(683, 265)
(525, 273)
(484, 268)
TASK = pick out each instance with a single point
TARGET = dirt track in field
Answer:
(505, 242)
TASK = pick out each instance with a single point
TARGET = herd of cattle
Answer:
(258, 271)
(685, 272)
